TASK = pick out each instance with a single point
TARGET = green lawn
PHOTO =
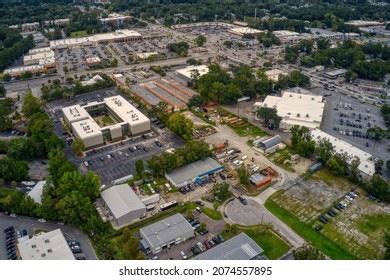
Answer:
(280, 157)
(107, 120)
(212, 214)
(332, 180)
(247, 129)
(374, 224)
(306, 231)
(274, 247)
(77, 34)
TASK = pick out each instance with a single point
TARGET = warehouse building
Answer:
(46, 246)
(366, 167)
(188, 72)
(241, 31)
(334, 74)
(123, 204)
(166, 233)
(239, 247)
(290, 37)
(87, 125)
(296, 109)
(269, 145)
(193, 172)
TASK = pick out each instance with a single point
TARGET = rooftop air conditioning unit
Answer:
(33, 246)
(49, 250)
(47, 241)
(43, 255)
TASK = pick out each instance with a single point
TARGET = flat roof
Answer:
(366, 166)
(87, 128)
(121, 200)
(166, 230)
(187, 71)
(21, 69)
(297, 108)
(193, 170)
(125, 110)
(283, 33)
(75, 113)
(46, 246)
(245, 30)
(239, 247)
(336, 72)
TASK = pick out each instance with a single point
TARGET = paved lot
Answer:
(32, 224)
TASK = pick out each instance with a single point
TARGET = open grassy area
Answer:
(280, 157)
(374, 224)
(274, 247)
(328, 178)
(318, 240)
(77, 34)
(212, 214)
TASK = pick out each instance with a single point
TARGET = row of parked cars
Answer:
(337, 207)
(10, 242)
(207, 244)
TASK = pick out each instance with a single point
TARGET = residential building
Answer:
(166, 233)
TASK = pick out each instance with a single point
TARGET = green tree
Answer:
(376, 132)
(350, 76)
(387, 246)
(301, 141)
(243, 175)
(7, 77)
(200, 40)
(269, 116)
(337, 164)
(180, 125)
(221, 191)
(2, 90)
(139, 168)
(78, 147)
(323, 44)
(323, 150)
(31, 105)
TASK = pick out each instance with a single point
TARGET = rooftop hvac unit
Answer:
(33, 246)
(47, 241)
(307, 115)
(49, 250)
(43, 255)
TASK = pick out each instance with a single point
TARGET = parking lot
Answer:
(349, 120)
(32, 225)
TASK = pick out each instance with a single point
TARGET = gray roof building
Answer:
(164, 233)
(188, 173)
(124, 205)
(240, 247)
(271, 142)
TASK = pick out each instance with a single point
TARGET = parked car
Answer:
(183, 255)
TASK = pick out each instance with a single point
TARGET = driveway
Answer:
(32, 224)
(254, 213)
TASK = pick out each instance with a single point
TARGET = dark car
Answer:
(24, 232)
(330, 213)
(223, 177)
(323, 219)
(337, 206)
(216, 240)
(242, 200)
(221, 237)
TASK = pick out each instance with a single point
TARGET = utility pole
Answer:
(255, 13)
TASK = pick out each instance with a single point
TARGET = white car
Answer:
(13, 215)
(42, 220)
(183, 255)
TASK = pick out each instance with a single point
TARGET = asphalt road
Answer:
(32, 224)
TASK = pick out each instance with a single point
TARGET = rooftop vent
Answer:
(47, 241)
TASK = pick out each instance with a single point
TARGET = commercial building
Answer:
(87, 124)
(57, 22)
(239, 247)
(366, 167)
(364, 23)
(377, 30)
(275, 74)
(46, 246)
(290, 37)
(296, 109)
(123, 204)
(146, 55)
(318, 33)
(118, 36)
(188, 72)
(334, 74)
(269, 145)
(241, 31)
(29, 27)
(92, 61)
(116, 19)
(260, 180)
(193, 172)
(166, 233)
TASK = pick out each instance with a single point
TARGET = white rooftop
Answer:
(187, 72)
(274, 74)
(296, 108)
(283, 33)
(125, 110)
(86, 128)
(121, 200)
(366, 165)
(46, 246)
(75, 113)
(245, 30)
(21, 69)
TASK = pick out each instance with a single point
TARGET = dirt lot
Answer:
(359, 228)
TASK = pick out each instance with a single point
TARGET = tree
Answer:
(196, 101)
(200, 40)
(221, 191)
(13, 170)
(350, 76)
(7, 77)
(323, 150)
(2, 90)
(180, 125)
(323, 44)
(378, 187)
(78, 147)
(306, 46)
(387, 246)
(269, 117)
(139, 168)
(376, 132)
(337, 164)
(301, 141)
(354, 173)
(31, 105)
(307, 252)
(243, 175)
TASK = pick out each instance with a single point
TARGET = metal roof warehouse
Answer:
(190, 172)
(240, 247)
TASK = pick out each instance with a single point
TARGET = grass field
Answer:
(77, 34)
(331, 180)
(324, 244)
(280, 157)
(212, 214)
(274, 247)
